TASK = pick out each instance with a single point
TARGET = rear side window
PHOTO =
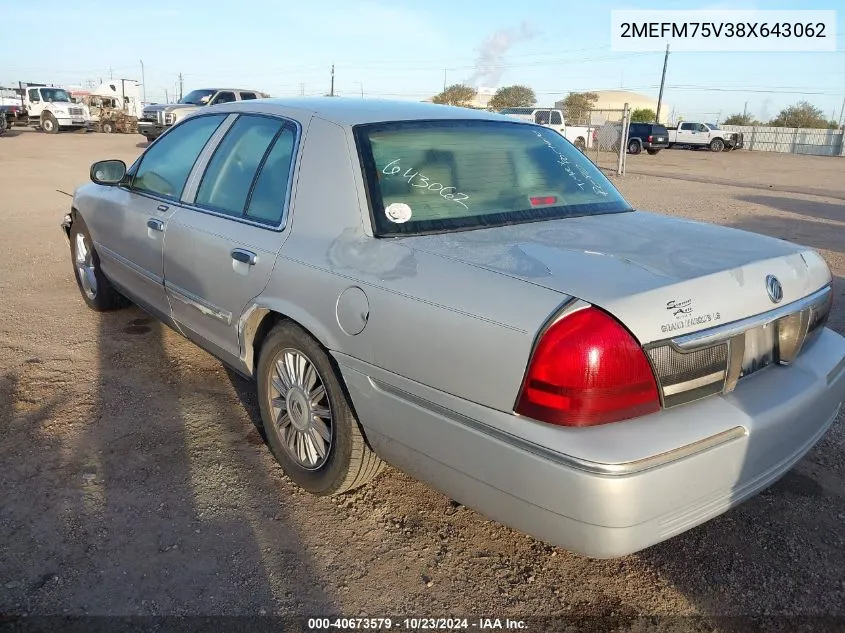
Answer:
(659, 130)
(267, 202)
(228, 179)
(556, 120)
(246, 96)
(437, 176)
(165, 167)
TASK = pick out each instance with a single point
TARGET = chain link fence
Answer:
(791, 140)
(607, 132)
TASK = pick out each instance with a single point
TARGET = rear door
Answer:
(222, 244)
(688, 133)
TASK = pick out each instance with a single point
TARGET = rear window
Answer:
(438, 176)
(659, 129)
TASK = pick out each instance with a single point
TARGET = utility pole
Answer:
(110, 74)
(302, 90)
(445, 70)
(362, 89)
(166, 96)
(180, 86)
(841, 112)
(331, 93)
(745, 111)
(662, 83)
(143, 83)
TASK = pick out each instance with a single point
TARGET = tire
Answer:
(670, 146)
(580, 143)
(107, 127)
(634, 147)
(95, 288)
(321, 465)
(717, 145)
(150, 139)
(49, 124)
(653, 152)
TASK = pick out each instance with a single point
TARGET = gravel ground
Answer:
(134, 481)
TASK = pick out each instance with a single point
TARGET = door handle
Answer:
(162, 207)
(155, 225)
(245, 257)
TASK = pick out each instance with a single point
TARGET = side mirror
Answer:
(108, 172)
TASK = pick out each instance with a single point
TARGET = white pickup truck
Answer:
(689, 134)
(579, 135)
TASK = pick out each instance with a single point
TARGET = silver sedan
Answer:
(466, 296)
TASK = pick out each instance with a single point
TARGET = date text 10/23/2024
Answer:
(415, 624)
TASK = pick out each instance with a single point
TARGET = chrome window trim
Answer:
(193, 182)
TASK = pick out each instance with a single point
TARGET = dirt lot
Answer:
(134, 481)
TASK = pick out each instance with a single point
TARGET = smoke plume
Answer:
(490, 63)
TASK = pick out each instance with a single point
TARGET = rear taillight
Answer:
(649, 138)
(587, 369)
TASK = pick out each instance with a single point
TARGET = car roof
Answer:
(350, 111)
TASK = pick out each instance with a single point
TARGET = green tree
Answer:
(643, 115)
(577, 105)
(740, 119)
(456, 95)
(513, 97)
(802, 114)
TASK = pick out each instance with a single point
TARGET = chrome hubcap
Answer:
(85, 266)
(302, 416)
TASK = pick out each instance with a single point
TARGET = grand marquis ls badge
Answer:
(774, 289)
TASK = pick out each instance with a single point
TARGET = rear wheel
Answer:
(307, 416)
(634, 147)
(49, 124)
(652, 152)
(717, 145)
(95, 288)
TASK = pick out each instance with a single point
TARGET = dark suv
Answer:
(651, 137)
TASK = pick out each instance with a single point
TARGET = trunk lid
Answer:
(661, 276)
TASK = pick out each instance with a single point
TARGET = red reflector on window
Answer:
(537, 201)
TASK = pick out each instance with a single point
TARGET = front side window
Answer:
(166, 165)
(224, 97)
(541, 117)
(438, 176)
(229, 178)
(34, 96)
(197, 97)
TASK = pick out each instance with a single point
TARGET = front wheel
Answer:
(95, 288)
(717, 145)
(580, 143)
(634, 147)
(49, 124)
(107, 127)
(652, 152)
(307, 416)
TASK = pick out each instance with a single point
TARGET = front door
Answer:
(222, 245)
(130, 231)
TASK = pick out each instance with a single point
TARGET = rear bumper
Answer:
(594, 507)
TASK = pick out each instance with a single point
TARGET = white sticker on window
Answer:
(398, 212)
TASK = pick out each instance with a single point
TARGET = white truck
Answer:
(579, 135)
(52, 109)
(709, 135)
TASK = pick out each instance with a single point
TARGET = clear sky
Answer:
(402, 49)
